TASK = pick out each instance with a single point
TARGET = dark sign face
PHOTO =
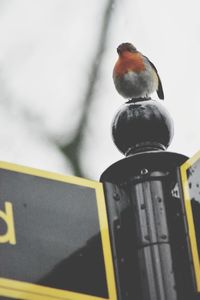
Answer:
(54, 238)
(190, 176)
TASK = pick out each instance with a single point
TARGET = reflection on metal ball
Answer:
(142, 126)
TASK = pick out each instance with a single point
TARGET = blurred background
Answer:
(57, 98)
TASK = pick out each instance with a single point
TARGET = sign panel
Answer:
(190, 177)
(54, 237)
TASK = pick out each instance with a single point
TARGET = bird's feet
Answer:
(134, 100)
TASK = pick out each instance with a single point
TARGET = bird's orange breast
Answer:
(129, 61)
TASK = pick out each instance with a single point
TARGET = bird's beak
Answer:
(118, 50)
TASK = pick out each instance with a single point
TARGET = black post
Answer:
(148, 232)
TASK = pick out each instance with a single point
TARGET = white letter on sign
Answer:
(7, 216)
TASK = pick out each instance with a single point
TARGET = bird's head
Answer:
(126, 47)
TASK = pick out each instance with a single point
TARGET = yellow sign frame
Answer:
(189, 215)
(28, 291)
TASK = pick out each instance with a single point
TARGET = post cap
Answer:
(142, 126)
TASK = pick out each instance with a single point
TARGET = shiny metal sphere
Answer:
(142, 126)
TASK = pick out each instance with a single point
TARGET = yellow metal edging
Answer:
(106, 243)
(189, 215)
(28, 291)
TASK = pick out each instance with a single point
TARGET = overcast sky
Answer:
(46, 47)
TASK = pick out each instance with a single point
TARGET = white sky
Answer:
(46, 49)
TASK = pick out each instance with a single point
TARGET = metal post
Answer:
(151, 256)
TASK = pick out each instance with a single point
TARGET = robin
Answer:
(134, 75)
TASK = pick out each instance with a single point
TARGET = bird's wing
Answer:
(160, 88)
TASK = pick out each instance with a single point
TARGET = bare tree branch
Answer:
(71, 150)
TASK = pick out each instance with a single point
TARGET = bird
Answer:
(135, 76)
